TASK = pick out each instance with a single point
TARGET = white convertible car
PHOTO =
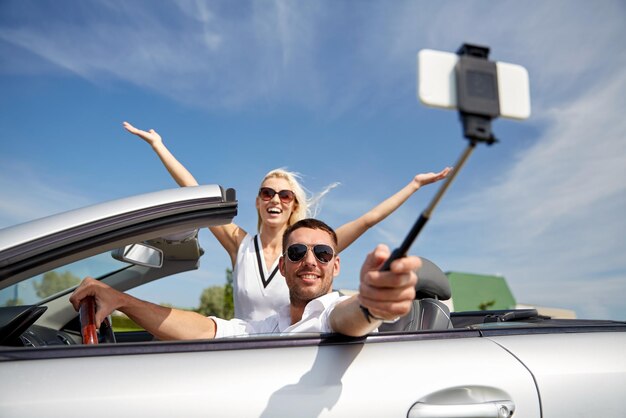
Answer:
(430, 364)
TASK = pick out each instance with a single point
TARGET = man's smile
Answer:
(308, 277)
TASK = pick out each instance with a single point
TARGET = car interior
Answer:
(53, 321)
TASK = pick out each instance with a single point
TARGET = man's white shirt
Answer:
(315, 318)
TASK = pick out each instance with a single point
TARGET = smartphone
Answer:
(436, 84)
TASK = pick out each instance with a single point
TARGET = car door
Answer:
(448, 373)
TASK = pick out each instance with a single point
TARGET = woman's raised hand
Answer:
(151, 136)
(427, 178)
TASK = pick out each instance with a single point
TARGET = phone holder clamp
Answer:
(477, 92)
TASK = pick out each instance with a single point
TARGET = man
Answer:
(309, 263)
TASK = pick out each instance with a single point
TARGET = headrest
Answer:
(432, 282)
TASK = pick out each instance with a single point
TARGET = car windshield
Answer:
(42, 286)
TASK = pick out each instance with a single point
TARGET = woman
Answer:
(258, 287)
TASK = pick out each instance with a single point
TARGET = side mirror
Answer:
(141, 254)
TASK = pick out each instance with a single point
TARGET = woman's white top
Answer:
(258, 292)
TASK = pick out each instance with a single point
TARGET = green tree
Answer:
(218, 300)
(229, 303)
(212, 301)
(14, 302)
(54, 282)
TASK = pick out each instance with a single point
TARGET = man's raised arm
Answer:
(383, 295)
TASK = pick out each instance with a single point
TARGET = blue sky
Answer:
(328, 89)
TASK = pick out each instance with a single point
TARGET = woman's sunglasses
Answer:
(267, 193)
(296, 252)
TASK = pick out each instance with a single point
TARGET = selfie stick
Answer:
(478, 103)
(403, 249)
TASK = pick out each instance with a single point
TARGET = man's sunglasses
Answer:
(296, 252)
(267, 193)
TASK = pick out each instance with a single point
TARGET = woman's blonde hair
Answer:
(304, 207)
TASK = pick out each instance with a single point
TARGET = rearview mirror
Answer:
(140, 254)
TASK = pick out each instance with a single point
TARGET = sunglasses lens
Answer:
(323, 253)
(267, 193)
(286, 196)
(296, 252)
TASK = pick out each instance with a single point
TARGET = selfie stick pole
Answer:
(403, 249)
(478, 103)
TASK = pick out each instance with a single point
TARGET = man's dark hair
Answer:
(311, 224)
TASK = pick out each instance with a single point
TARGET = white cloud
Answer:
(194, 53)
(200, 54)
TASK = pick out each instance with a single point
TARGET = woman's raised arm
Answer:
(349, 232)
(230, 236)
(179, 173)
